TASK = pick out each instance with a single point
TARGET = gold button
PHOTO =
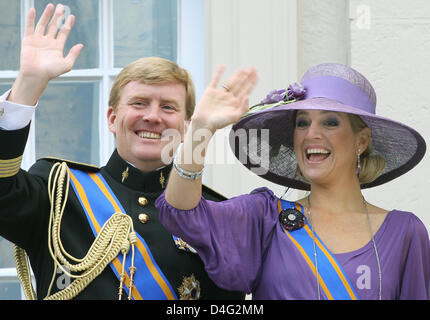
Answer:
(143, 217)
(142, 201)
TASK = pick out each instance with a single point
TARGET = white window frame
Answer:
(191, 55)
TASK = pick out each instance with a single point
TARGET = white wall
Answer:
(323, 33)
(390, 44)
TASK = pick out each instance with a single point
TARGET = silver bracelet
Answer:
(184, 173)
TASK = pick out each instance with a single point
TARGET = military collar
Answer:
(131, 177)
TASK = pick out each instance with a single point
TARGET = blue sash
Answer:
(99, 203)
(333, 280)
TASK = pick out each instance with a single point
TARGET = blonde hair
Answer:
(154, 70)
(372, 165)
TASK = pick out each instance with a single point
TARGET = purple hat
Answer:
(333, 87)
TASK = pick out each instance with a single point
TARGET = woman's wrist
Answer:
(189, 175)
(198, 123)
(191, 155)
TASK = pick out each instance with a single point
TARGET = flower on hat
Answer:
(294, 92)
(275, 96)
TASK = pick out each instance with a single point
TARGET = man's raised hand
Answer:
(42, 58)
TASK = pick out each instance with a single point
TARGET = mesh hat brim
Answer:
(270, 153)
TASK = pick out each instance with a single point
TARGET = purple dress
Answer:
(245, 248)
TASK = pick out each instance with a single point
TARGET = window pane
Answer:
(10, 290)
(85, 30)
(4, 87)
(144, 28)
(67, 122)
(10, 36)
(6, 254)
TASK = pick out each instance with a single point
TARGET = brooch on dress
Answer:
(292, 219)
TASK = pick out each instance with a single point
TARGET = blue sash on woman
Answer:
(99, 203)
(332, 279)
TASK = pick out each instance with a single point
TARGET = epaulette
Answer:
(73, 164)
(208, 191)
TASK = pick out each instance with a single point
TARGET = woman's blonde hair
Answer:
(154, 70)
(372, 165)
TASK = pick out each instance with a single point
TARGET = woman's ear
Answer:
(111, 117)
(364, 138)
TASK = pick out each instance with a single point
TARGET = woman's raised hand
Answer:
(222, 106)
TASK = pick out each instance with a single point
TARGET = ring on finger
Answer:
(226, 88)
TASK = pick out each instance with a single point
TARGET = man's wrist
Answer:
(27, 91)
(14, 116)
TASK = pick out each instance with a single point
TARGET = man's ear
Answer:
(111, 118)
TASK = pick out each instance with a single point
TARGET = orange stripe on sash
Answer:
(105, 191)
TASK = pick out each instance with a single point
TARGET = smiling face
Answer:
(326, 146)
(143, 114)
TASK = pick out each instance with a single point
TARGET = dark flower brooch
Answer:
(292, 219)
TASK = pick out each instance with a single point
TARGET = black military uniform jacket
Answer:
(24, 214)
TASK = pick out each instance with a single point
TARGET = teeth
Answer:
(149, 135)
(318, 151)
